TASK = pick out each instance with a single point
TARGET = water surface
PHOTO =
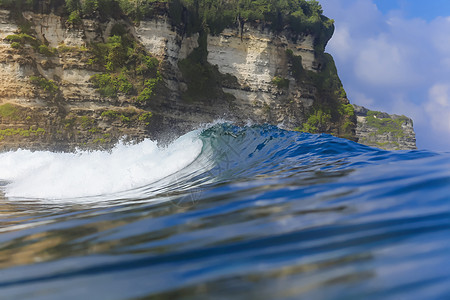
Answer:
(254, 212)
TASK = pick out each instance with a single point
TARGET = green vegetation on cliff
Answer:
(317, 121)
(22, 39)
(386, 125)
(128, 68)
(45, 84)
(126, 116)
(281, 83)
(20, 132)
(26, 36)
(10, 111)
(332, 106)
(298, 16)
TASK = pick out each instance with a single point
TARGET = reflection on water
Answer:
(285, 215)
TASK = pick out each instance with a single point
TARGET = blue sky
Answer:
(427, 10)
(394, 56)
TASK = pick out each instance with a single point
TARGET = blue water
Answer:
(226, 213)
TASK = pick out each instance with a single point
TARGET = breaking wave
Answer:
(226, 212)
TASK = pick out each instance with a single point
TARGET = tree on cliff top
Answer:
(297, 16)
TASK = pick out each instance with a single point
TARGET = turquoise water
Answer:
(226, 212)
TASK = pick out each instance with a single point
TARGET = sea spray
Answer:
(90, 173)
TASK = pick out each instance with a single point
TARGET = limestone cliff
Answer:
(47, 99)
(92, 82)
(382, 130)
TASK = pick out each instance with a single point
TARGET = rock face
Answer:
(247, 61)
(382, 130)
(255, 57)
(48, 99)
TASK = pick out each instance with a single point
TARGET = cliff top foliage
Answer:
(298, 16)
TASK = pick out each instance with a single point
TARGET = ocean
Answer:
(226, 212)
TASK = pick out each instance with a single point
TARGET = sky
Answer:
(394, 56)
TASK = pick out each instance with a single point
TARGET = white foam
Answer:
(49, 175)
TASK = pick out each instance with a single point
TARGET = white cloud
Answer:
(342, 43)
(402, 106)
(392, 63)
(438, 107)
(361, 99)
(440, 28)
(383, 63)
